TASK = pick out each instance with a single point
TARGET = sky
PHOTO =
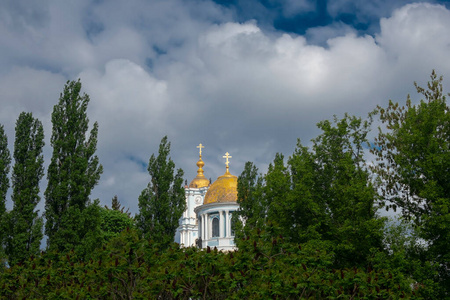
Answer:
(246, 77)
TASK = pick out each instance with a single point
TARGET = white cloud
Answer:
(416, 30)
(321, 34)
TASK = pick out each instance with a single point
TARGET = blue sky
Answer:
(244, 77)
(298, 16)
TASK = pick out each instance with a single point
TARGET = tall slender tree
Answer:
(5, 160)
(162, 202)
(73, 172)
(24, 226)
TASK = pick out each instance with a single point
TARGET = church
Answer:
(209, 208)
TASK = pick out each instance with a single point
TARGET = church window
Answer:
(215, 227)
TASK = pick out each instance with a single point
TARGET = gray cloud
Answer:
(189, 71)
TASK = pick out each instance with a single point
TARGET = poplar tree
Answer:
(162, 203)
(73, 172)
(24, 226)
(5, 160)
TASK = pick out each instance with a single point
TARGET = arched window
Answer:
(215, 227)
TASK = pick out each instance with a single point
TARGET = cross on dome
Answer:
(227, 156)
(200, 147)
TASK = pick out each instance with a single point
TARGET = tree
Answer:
(115, 205)
(321, 194)
(251, 213)
(404, 254)
(115, 220)
(24, 226)
(343, 183)
(162, 203)
(129, 267)
(5, 160)
(73, 172)
(413, 164)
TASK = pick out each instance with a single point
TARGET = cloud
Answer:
(416, 30)
(29, 90)
(261, 92)
(129, 105)
(190, 71)
(321, 34)
(293, 7)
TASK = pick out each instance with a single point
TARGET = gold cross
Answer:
(200, 147)
(227, 156)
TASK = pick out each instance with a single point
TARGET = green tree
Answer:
(404, 255)
(115, 205)
(5, 160)
(251, 213)
(162, 202)
(413, 164)
(24, 226)
(323, 193)
(129, 267)
(73, 172)
(343, 183)
(114, 220)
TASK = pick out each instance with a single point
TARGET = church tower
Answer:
(187, 232)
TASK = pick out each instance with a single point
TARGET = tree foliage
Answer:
(114, 221)
(73, 172)
(252, 206)
(129, 267)
(324, 193)
(115, 205)
(162, 202)
(413, 163)
(5, 161)
(24, 226)
(405, 251)
(344, 186)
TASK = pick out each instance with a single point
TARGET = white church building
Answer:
(209, 207)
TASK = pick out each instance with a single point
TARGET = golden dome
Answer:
(224, 189)
(200, 180)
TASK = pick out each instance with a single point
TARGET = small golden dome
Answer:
(224, 189)
(200, 180)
